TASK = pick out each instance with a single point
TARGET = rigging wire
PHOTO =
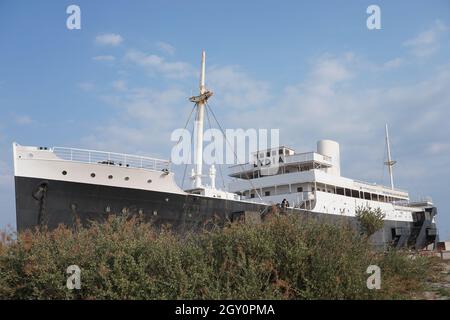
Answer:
(187, 122)
(235, 155)
(179, 140)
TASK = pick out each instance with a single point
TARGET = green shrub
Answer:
(125, 258)
(370, 220)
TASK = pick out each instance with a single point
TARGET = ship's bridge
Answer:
(282, 160)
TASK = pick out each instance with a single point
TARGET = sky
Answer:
(310, 68)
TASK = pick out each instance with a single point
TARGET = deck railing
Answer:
(110, 158)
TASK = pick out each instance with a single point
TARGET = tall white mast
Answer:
(200, 102)
(390, 163)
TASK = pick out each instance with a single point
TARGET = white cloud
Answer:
(393, 63)
(104, 58)
(119, 85)
(427, 42)
(235, 89)
(437, 148)
(86, 86)
(166, 47)
(145, 120)
(109, 39)
(23, 119)
(154, 63)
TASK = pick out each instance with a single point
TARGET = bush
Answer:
(126, 258)
(370, 220)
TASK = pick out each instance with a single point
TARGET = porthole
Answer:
(64, 172)
(93, 175)
(149, 181)
(110, 177)
(127, 178)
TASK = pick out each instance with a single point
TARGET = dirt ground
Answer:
(439, 287)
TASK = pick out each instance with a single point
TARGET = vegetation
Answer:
(370, 220)
(282, 258)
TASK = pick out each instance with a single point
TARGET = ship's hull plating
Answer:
(53, 202)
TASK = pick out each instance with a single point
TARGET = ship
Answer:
(60, 185)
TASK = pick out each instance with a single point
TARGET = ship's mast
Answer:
(389, 163)
(200, 102)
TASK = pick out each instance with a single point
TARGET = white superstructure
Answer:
(313, 181)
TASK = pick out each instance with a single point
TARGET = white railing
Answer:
(287, 159)
(414, 202)
(109, 158)
(376, 185)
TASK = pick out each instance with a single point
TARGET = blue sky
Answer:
(310, 68)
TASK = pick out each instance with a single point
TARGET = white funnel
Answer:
(330, 149)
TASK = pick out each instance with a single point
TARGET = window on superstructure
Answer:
(280, 151)
(252, 195)
(340, 191)
(267, 193)
(299, 189)
(268, 153)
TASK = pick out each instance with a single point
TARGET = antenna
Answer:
(200, 102)
(389, 163)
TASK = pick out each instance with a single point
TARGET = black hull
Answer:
(51, 202)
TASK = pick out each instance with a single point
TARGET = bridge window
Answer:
(299, 189)
(267, 193)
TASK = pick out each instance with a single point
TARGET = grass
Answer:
(283, 258)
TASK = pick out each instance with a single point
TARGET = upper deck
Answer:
(302, 161)
(91, 157)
